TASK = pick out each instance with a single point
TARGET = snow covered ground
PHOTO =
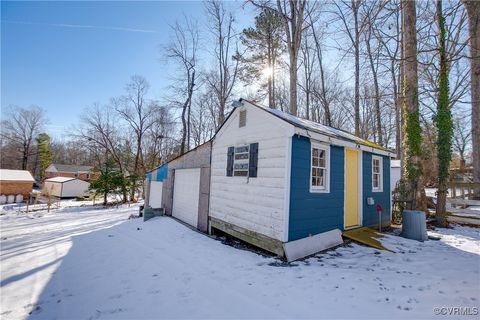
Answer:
(93, 263)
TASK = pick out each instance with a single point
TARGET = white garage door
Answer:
(155, 200)
(186, 188)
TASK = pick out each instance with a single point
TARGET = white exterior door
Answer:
(186, 191)
(155, 200)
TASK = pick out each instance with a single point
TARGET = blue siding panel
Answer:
(370, 215)
(158, 174)
(313, 213)
(162, 172)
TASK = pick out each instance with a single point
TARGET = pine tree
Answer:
(45, 157)
(264, 43)
(111, 180)
(444, 123)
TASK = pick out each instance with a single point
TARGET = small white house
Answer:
(64, 187)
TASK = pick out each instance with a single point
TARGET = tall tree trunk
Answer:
(186, 112)
(293, 22)
(184, 128)
(293, 82)
(412, 129)
(473, 12)
(378, 114)
(444, 124)
(24, 157)
(325, 103)
(273, 83)
(270, 79)
(398, 110)
(401, 93)
(355, 6)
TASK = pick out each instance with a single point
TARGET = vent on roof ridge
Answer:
(242, 121)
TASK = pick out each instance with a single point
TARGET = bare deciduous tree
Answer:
(223, 78)
(183, 51)
(137, 111)
(21, 127)
(100, 128)
(462, 136)
(349, 12)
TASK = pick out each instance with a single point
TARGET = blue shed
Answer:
(277, 178)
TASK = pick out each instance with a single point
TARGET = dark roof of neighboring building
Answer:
(71, 168)
(317, 127)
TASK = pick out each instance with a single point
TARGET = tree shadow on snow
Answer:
(110, 273)
(93, 276)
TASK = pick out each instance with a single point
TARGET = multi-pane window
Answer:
(319, 168)
(240, 161)
(377, 176)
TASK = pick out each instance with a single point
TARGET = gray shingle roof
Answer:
(318, 127)
(72, 168)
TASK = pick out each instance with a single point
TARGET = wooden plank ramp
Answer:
(366, 236)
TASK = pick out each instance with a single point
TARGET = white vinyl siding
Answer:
(377, 174)
(256, 204)
(319, 168)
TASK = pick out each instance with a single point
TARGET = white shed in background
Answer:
(64, 187)
(395, 173)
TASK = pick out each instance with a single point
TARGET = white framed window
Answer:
(241, 159)
(377, 174)
(320, 168)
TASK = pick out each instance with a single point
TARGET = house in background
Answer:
(84, 173)
(63, 187)
(15, 182)
(395, 173)
(182, 187)
(276, 178)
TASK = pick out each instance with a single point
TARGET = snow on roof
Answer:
(16, 175)
(71, 168)
(59, 179)
(318, 127)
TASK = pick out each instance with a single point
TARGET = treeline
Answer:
(339, 63)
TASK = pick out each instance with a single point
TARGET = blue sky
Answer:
(64, 56)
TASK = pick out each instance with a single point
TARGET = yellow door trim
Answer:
(352, 188)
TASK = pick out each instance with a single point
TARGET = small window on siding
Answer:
(320, 168)
(377, 174)
(242, 121)
(241, 161)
